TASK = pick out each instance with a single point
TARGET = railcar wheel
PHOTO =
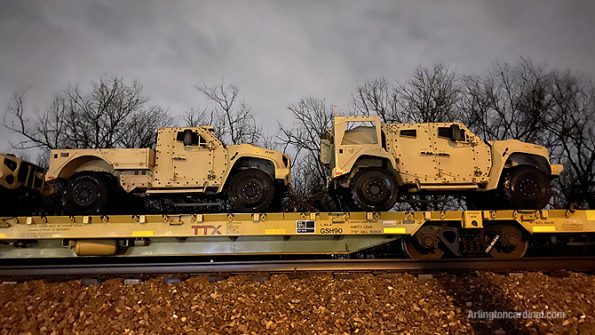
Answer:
(374, 189)
(424, 245)
(251, 190)
(525, 187)
(86, 193)
(505, 241)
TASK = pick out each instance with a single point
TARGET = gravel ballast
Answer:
(476, 302)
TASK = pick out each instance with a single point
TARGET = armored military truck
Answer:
(374, 161)
(188, 162)
(21, 183)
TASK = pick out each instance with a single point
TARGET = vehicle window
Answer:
(190, 138)
(445, 132)
(360, 135)
(355, 124)
(409, 132)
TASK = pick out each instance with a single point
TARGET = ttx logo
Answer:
(204, 230)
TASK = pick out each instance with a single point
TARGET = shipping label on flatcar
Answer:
(305, 227)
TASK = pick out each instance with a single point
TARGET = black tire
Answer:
(251, 190)
(374, 189)
(525, 187)
(86, 193)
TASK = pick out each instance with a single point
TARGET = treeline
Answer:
(525, 101)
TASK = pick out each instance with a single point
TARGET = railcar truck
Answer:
(373, 161)
(188, 162)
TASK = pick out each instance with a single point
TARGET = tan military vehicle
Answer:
(375, 160)
(15, 173)
(20, 184)
(188, 162)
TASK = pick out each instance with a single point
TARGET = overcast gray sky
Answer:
(275, 51)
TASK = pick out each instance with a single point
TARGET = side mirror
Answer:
(455, 133)
(325, 151)
(187, 137)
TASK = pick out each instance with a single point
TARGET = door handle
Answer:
(442, 154)
(179, 158)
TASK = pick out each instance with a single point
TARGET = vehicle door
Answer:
(454, 154)
(413, 148)
(191, 159)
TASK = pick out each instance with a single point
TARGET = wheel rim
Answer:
(251, 191)
(529, 188)
(85, 193)
(375, 190)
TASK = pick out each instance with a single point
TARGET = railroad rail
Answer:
(156, 268)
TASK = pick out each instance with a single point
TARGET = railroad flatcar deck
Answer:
(267, 233)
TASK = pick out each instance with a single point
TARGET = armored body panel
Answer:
(132, 167)
(189, 160)
(374, 159)
(21, 184)
(16, 173)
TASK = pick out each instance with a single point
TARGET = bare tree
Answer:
(375, 97)
(141, 128)
(572, 123)
(430, 96)
(195, 118)
(232, 120)
(312, 117)
(47, 131)
(509, 101)
(112, 114)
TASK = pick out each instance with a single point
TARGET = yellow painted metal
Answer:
(277, 231)
(142, 233)
(557, 169)
(544, 229)
(284, 224)
(472, 219)
(395, 231)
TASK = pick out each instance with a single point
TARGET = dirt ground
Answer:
(313, 304)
